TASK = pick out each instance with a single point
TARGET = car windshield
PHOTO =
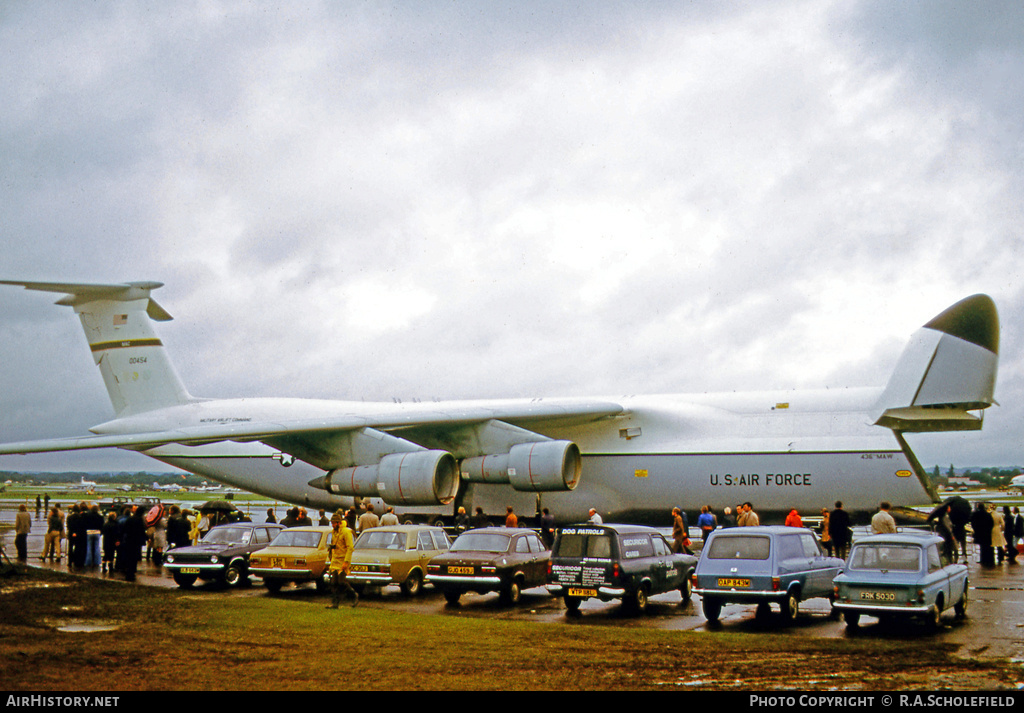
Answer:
(481, 542)
(228, 535)
(293, 538)
(381, 541)
(739, 547)
(886, 557)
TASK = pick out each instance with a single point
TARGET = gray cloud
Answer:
(368, 201)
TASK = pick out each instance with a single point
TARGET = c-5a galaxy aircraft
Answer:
(631, 458)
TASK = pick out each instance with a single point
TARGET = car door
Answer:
(820, 570)
(539, 557)
(671, 566)
(791, 564)
(938, 580)
(424, 548)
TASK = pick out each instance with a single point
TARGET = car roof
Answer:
(243, 524)
(400, 528)
(617, 527)
(307, 528)
(911, 537)
(497, 529)
(760, 530)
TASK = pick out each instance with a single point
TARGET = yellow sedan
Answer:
(396, 554)
(298, 554)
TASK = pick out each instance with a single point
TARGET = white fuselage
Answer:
(778, 450)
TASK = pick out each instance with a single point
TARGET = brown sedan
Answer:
(502, 559)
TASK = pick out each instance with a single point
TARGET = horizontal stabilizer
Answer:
(82, 293)
(118, 323)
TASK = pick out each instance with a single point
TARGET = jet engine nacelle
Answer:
(416, 478)
(544, 466)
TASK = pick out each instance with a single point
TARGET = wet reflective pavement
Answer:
(994, 627)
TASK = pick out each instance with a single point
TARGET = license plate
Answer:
(579, 592)
(277, 562)
(878, 596)
(189, 570)
(725, 582)
(360, 568)
(460, 570)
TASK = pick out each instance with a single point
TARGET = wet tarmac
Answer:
(994, 627)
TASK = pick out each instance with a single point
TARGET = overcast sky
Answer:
(473, 199)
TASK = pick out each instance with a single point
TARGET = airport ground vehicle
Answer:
(763, 565)
(900, 575)
(488, 559)
(223, 554)
(626, 562)
(297, 554)
(396, 554)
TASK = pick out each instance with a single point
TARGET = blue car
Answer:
(763, 565)
(900, 575)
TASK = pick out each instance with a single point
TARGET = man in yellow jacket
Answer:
(339, 550)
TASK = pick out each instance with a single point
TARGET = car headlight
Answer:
(214, 559)
(169, 558)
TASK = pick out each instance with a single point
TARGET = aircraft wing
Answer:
(316, 440)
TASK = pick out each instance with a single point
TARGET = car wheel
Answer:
(273, 585)
(712, 608)
(511, 593)
(833, 613)
(452, 597)
(934, 615)
(235, 575)
(412, 584)
(686, 590)
(790, 607)
(184, 580)
(572, 604)
(639, 600)
(852, 618)
(961, 606)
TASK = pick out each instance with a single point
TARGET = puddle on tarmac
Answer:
(84, 626)
(11, 587)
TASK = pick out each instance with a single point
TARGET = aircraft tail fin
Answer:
(118, 323)
(946, 371)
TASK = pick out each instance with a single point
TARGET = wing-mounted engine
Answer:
(418, 478)
(500, 453)
(371, 464)
(543, 466)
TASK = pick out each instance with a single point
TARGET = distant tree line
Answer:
(989, 477)
(141, 478)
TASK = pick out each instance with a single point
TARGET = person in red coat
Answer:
(793, 519)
